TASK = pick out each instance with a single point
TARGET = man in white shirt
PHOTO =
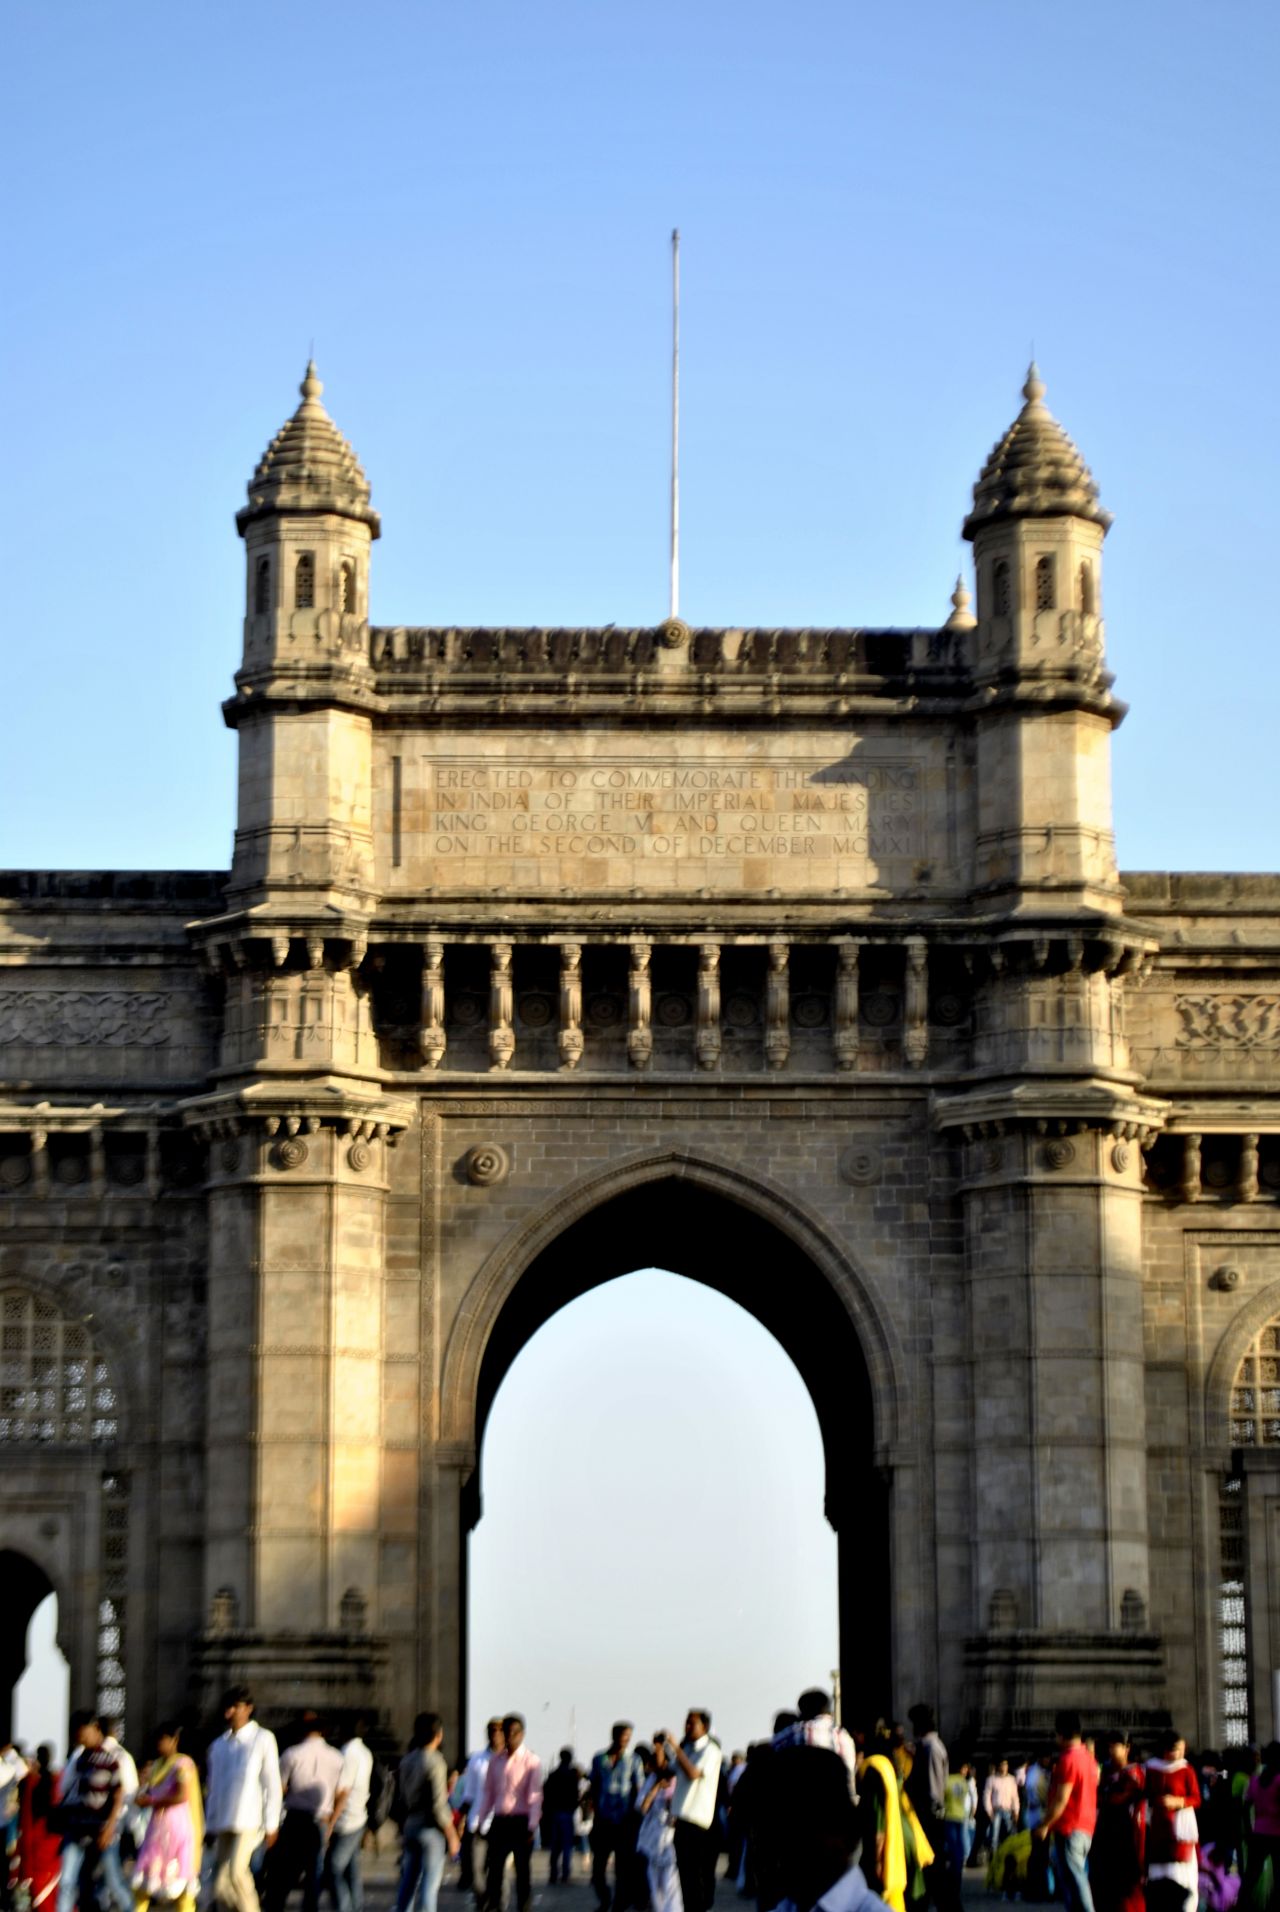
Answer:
(349, 1825)
(816, 1726)
(806, 1831)
(470, 1793)
(697, 1764)
(311, 1778)
(242, 1810)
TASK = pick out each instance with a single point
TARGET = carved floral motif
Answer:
(78, 1019)
(486, 1165)
(1228, 1022)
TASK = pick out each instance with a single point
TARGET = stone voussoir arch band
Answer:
(506, 1265)
(1230, 1351)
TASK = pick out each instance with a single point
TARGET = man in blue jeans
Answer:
(90, 1809)
(1072, 1813)
(429, 1831)
(343, 1856)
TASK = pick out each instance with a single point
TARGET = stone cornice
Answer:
(1052, 1108)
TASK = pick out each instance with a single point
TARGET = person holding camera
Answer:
(693, 1807)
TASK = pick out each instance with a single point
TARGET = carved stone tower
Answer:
(298, 1128)
(1050, 1126)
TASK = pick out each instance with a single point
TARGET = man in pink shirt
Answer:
(513, 1794)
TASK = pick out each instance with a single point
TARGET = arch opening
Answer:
(681, 1224)
(33, 1672)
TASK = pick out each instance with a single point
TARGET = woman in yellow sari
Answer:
(167, 1869)
(884, 1851)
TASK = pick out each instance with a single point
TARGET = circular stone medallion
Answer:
(860, 1164)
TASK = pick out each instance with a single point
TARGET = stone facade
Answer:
(796, 961)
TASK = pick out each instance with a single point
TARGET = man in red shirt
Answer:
(1072, 1813)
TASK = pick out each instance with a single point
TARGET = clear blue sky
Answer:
(467, 207)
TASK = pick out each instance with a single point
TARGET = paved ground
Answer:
(380, 1873)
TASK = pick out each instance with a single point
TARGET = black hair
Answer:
(425, 1728)
(1067, 1722)
(80, 1719)
(781, 1721)
(1271, 1760)
(512, 1719)
(813, 1702)
(237, 1696)
(619, 1727)
(167, 1729)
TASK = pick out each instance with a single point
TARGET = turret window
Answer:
(262, 586)
(1001, 596)
(348, 586)
(1086, 593)
(1046, 584)
(304, 582)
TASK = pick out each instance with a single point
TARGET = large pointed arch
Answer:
(463, 1409)
(749, 1240)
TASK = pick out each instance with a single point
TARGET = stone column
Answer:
(1059, 1518)
(640, 993)
(707, 1041)
(915, 1009)
(502, 1039)
(297, 1249)
(777, 1006)
(570, 1005)
(433, 1035)
(845, 1019)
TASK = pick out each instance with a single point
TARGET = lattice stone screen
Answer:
(54, 1387)
(1255, 1397)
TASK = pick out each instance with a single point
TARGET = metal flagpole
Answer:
(675, 423)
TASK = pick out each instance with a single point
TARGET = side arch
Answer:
(463, 1408)
(1230, 1351)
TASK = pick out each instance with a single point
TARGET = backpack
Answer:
(382, 1793)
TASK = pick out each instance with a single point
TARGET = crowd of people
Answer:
(813, 1817)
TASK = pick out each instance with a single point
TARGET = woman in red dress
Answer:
(1119, 1839)
(1173, 1793)
(39, 1850)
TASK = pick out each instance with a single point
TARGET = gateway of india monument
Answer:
(793, 961)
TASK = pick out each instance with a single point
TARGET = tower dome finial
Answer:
(309, 466)
(1034, 471)
(961, 618)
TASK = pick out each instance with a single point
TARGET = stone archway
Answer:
(712, 1224)
(26, 1584)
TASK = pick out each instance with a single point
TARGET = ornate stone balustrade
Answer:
(743, 653)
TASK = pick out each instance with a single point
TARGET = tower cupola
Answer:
(1037, 526)
(1035, 471)
(309, 466)
(308, 528)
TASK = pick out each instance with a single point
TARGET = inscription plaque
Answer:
(656, 825)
